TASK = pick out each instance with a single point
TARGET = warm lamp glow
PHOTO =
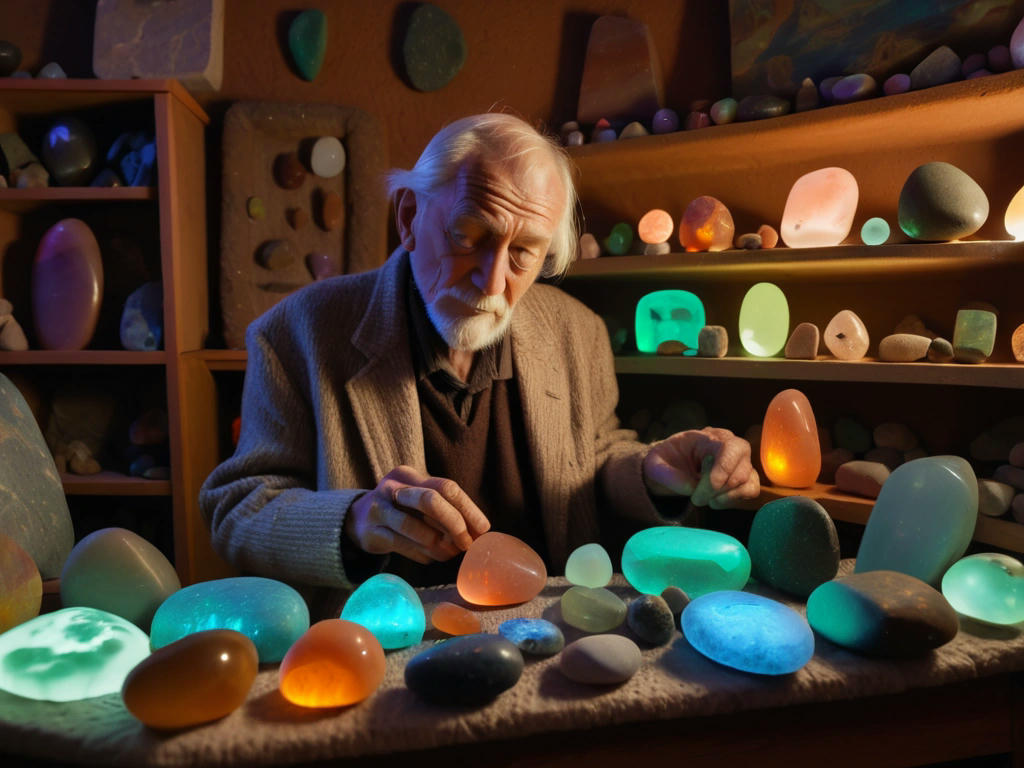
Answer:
(670, 315)
(764, 320)
(334, 664)
(1014, 219)
(790, 452)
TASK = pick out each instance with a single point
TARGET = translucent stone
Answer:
(846, 336)
(790, 453)
(706, 225)
(655, 226)
(619, 239)
(764, 320)
(268, 612)
(748, 632)
(820, 209)
(200, 678)
(21, 588)
(669, 315)
(538, 637)
(70, 654)
(874, 231)
(387, 606)
(695, 560)
(923, 519)
(988, 587)
(499, 569)
(334, 664)
(453, 619)
(327, 158)
(974, 335)
(589, 566)
(1013, 219)
(592, 609)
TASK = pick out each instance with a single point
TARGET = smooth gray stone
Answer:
(793, 545)
(600, 660)
(650, 618)
(903, 348)
(940, 351)
(803, 343)
(940, 202)
(69, 152)
(712, 341)
(676, 599)
(863, 478)
(470, 670)
(940, 66)
(761, 107)
(434, 48)
(33, 509)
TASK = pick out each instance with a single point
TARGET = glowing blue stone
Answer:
(875, 231)
(268, 612)
(748, 632)
(538, 637)
(669, 315)
(695, 560)
(75, 653)
(387, 606)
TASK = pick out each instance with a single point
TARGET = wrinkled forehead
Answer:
(526, 185)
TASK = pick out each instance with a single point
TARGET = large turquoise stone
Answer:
(988, 587)
(307, 41)
(748, 632)
(695, 560)
(387, 606)
(669, 315)
(71, 654)
(923, 519)
(268, 612)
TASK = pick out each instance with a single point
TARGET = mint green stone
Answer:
(593, 609)
(75, 653)
(589, 566)
(669, 315)
(875, 231)
(974, 335)
(923, 519)
(390, 608)
(268, 612)
(764, 320)
(693, 559)
(307, 41)
(619, 239)
(988, 587)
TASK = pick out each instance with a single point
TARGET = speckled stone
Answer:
(863, 478)
(994, 497)
(650, 618)
(903, 348)
(793, 545)
(600, 660)
(940, 202)
(940, 66)
(713, 341)
(940, 351)
(537, 637)
(761, 107)
(803, 342)
(434, 48)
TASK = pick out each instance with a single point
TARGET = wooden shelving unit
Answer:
(113, 484)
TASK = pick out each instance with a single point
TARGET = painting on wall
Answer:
(777, 43)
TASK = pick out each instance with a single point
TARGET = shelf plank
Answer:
(221, 359)
(113, 484)
(82, 357)
(43, 96)
(22, 200)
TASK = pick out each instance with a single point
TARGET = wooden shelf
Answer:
(221, 359)
(33, 96)
(113, 484)
(82, 357)
(22, 200)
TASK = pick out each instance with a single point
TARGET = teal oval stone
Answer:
(592, 609)
(669, 315)
(923, 519)
(387, 606)
(764, 320)
(988, 587)
(268, 612)
(71, 654)
(748, 632)
(693, 559)
(589, 566)
(307, 41)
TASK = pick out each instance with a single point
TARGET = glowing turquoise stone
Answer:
(619, 239)
(695, 560)
(875, 231)
(748, 632)
(988, 587)
(75, 653)
(387, 606)
(764, 320)
(268, 612)
(923, 519)
(669, 315)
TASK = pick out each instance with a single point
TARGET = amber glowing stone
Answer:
(201, 677)
(706, 225)
(21, 588)
(499, 569)
(453, 619)
(334, 664)
(790, 452)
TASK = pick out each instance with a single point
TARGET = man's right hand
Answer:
(421, 517)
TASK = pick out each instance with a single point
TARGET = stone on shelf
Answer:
(862, 478)
(307, 42)
(940, 351)
(10, 58)
(390, 608)
(67, 286)
(807, 96)
(335, 663)
(665, 120)
(1011, 475)
(665, 315)
(898, 83)
(621, 72)
(322, 265)
(713, 341)
(723, 111)
(469, 670)
(790, 452)
(142, 320)
(854, 88)
(695, 560)
(327, 158)
(706, 225)
(589, 566)
(751, 241)
(592, 609)
(276, 255)
(903, 348)
(940, 202)
(974, 335)
(696, 120)
(650, 618)
(973, 63)
(619, 239)
(633, 130)
(846, 336)
(589, 247)
(994, 497)
(987, 587)
(999, 58)
(453, 619)
(330, 211)
(537, 637)
(769, 237)
(671, 347)
(764, 320)
(69, 152)
(940, 66)
(31, 176)
(820, 208)
(499, 569)
(289, 172)
(21, 588)
(793, 545)
(803, 342)
(600, 660)
(655, 226)
(874, 231)
(762, 107)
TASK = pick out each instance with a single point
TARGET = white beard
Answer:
(470, 333)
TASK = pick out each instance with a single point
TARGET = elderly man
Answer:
(408, 410)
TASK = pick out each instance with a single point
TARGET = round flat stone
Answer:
(453, 619)
(940, 202)
(434, 48)
(390, 608)
(988, 587)
(592, 609)
(600, 660)
(589, 566)
(327, 158)
(334, 664)
(793, 545)
(693, 559)
(468, 670)
(537, 637)
(650, 618)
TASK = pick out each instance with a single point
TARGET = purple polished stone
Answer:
(896, 84)
(999, 59)
(973, 63)
(67, 286)
(321, 265)
(825, 88)
(978, 73)
(854, 88)
(665, 121)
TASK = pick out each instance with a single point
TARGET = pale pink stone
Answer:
(589, 249)
(820, 209)
(846, 336)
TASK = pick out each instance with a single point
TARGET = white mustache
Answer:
(496, 305)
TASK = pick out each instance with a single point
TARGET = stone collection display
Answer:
(939, 201)
(537, 637)
(467, 670)
(453, 619)
(697, 561)
(790, 452)
(199, 678)
(434, 48)
(600, 660)
(67, 286)
(21, 588)
(592, 609)
(499, 569)
(987, 587)
(387, 606)
(764, 320)
(142, 321)
(333, 664)
(589, 566)
(793, 545)
(307, 42)
(650, 618)
(668, 315)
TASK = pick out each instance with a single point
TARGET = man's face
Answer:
(480, 242)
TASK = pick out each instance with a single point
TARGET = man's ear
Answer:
(405, 217)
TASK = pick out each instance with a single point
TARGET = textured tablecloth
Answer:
(674, 681)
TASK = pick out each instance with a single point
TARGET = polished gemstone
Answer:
(988, 587)
(764, 320)
(650, 618)
(69, 152)
(335, 663)
(846, 336)
(391, 609)
(820, 209)
(874, 231)
(537, 637)
(289, 172)
(655, 226)
(453, 619)
(589, 566)
(619, 239)
(70, 654)
(307, 41)
(499, 569)
(793, 545)
(748, 632)
(695, 560)
(974, 335)
(592, 609)
(196, 679)
(327, 158)
(668, 315)
(269, 612)
(67, 286)
(468, 670)
(706, 225)
(142, 320)
(21, 589)
(600, 660)
(621, 75)
(790, 453)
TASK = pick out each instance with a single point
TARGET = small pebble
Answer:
(453, 619)
(650, 619)
(695, 120)
(600, 660)
(676, 599)
(803, 343)
(940, 351)
(712, 341)
(724, 111)
(863, 478)
(327, 158)
(255, 208)
(671, 347)
(903, 348)
(665, 121)
(633, 131)
(854, 88)
(52, 71)
(749, 242)
(807, 97)
(288, 171)
(769, 236)
(899, 83)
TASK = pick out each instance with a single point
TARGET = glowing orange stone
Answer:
(707, 225)
(790, 452)
(499, 569)
(21, 588)
(655, 226)
(201, 677)
(334, 664)
(453, 619)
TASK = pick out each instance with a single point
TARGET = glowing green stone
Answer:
(619, 239)
(669, 315)
(974, 335)
(593, 609)
(764, 320)
(875, 231)
(589, 566)
(988, 587)
(695, 560)
(387, 606)
(75, 653)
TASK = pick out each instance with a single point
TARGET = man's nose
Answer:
(489, 275)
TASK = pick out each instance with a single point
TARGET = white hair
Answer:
(491, 135)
